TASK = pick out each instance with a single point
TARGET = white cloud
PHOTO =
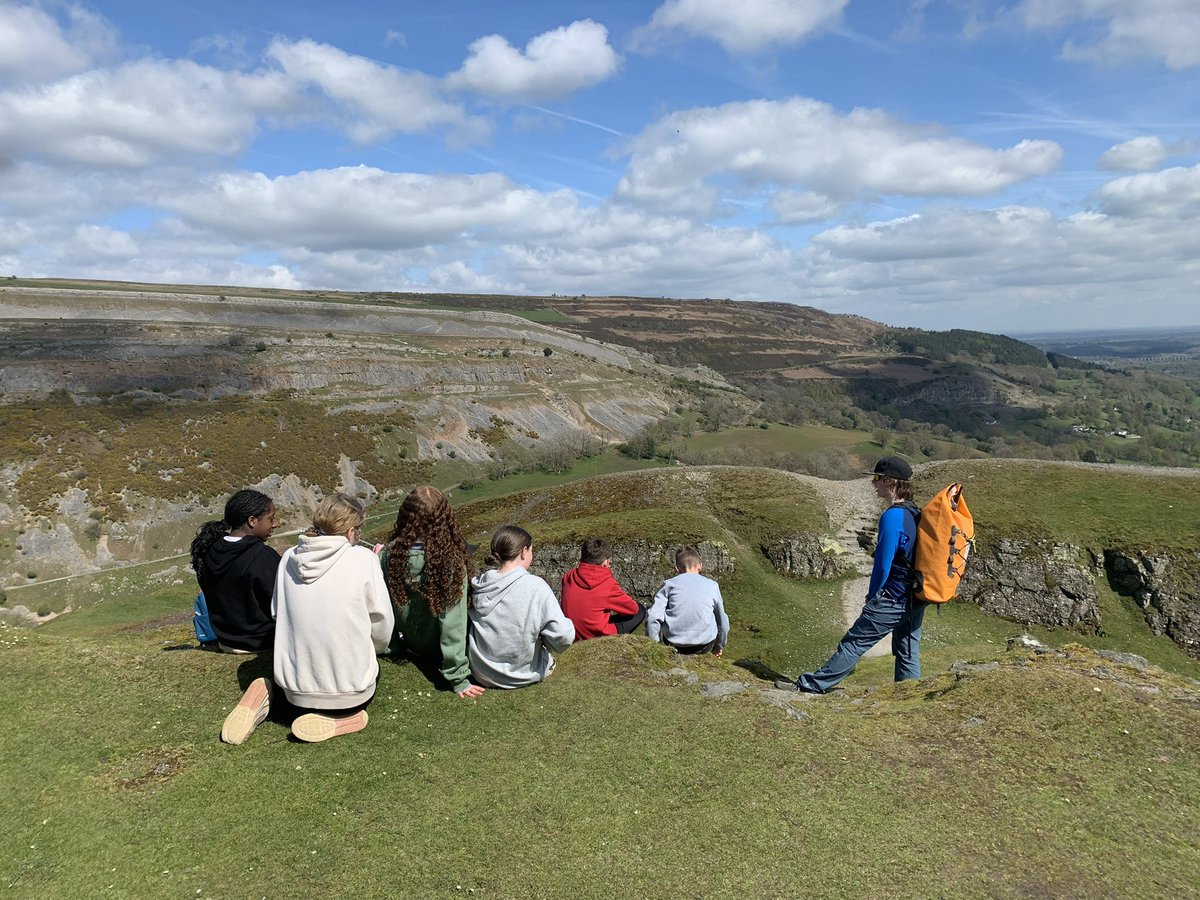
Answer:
(98, 243)
(376, 100)
(1172, 194)
(748, 26)
(791, 207)
(35, 47)
(363, 207)
(553, 64)
(1019, 268)
(830, 156)
(1135, 155)
(1164, 29)
(140, 114)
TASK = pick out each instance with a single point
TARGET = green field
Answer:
(1034, 778)
(780, 439)
(1089, 506)
(1039, 777)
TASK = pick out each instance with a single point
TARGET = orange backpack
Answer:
(945, 535)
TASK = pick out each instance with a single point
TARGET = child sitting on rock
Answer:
(592, 599)
(687, 612)
(332, 616)
(516, 622)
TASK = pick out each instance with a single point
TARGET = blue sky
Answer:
(1016, 166)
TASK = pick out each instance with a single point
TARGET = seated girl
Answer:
(236, 570)
(516, 622)
(426, 564)
(332, 616)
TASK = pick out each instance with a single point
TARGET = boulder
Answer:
(1033, 581)
(1166, 586)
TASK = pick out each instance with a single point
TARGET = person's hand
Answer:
(376, 549)
(470, 693)
(718, 652)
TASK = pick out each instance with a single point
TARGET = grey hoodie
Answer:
(516, 623)
(332, 616)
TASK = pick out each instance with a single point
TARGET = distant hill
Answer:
(129, 411)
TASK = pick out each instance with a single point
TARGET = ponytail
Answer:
(209, 534)
(239, 509)
(507, 543)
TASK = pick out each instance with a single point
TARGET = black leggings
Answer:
(628, 624)
(694, 649)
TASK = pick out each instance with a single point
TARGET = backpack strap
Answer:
(915, 579)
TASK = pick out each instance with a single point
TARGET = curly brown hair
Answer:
(425, 518)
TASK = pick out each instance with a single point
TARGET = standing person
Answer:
(592, 599)
(891, 607)
(516, 622)
(688, 612)
(236, 571)
(333, 616)
(427, 566)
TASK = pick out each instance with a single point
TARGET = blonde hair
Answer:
(337, 514)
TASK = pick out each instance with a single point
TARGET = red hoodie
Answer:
(590, 595)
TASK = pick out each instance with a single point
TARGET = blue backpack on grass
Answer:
(201, 622)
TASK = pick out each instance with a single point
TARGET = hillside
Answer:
(1006, 771)
(1032, 775)
(129, 411)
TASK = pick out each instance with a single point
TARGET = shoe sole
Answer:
(249, 713)
(313, 728)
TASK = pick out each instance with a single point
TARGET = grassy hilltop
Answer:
(626, 773)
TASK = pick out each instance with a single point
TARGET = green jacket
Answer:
(438, 640)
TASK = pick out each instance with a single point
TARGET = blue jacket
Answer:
(891, 576)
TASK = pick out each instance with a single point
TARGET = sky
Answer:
(1004, 165)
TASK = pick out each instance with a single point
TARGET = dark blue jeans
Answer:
(879, 618)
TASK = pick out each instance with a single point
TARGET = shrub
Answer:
(260, 347)
(547, 351)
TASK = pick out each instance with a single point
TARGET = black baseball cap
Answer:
(892, 467)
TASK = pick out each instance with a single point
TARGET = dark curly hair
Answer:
(425, 518)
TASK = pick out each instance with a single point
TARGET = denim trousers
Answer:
(880, 617)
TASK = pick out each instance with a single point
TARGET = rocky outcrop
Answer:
(640, 567)
(808, 556)
(1167, 588)
(1033, 581)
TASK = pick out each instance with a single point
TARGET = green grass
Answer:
(605, 781)
(673, 504)
(778, 438)
(1038, 778)
(1092, 507)
(607, 463)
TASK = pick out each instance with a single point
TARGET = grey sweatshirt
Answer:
(688, 611)
(332, 616)
(516, 623)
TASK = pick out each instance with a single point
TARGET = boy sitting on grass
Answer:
(592, 599)
(687, 612)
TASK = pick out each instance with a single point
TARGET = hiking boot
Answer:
(249, 713)
(784, 684)
(312, 728)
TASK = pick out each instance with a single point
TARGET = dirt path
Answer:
(853, 507)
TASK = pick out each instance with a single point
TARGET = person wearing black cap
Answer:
(891, 607)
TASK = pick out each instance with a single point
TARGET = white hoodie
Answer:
(332, 616)
(515, 624)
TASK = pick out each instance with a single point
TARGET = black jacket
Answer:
(238, 578)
